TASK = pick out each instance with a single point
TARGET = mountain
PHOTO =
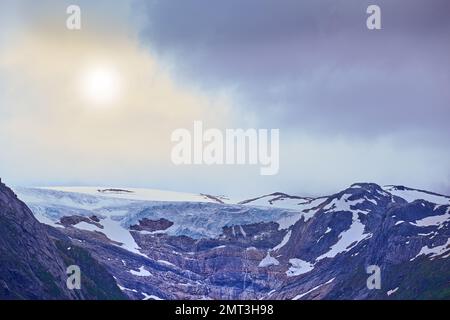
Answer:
(279, 200)
(163, 245)
(34, 259)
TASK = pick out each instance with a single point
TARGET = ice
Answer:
(271, 292)
(87, 226)
(134, 193)
(51, 204)
(46, 220)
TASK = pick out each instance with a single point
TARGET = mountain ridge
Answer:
(209, 250)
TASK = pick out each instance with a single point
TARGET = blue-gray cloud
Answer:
(313, 65)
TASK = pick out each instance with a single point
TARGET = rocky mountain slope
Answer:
(33, 262)
(270, 247)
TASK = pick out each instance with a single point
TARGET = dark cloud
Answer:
(313, 64)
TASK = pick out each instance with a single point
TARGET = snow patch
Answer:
(116, 232)
(413, 195)
(167, 263)
(141, 273)
(268, 261)
(348, 239)
(343, 204)
(150, 297)
(433, 220)
(299, 267)
(126, 289)
(283, 242)
(307, 213)
(313, 289)
(435, 251)
(392, 291)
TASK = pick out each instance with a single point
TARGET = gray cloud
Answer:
(313, 65)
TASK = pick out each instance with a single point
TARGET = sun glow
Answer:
(101, 85)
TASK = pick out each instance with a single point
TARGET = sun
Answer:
(101, 85)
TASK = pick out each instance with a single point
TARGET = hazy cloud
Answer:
(351, 104)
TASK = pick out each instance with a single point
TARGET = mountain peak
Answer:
(370, 186)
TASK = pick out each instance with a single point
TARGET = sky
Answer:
(351, 104)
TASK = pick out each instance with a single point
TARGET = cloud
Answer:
(351, 104)
(313, 65)
(313, 69)
(51, 134)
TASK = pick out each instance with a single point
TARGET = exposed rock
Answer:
(33, 265)
(152, 225)
(73, 220)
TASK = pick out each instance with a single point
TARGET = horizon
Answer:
(235, 197)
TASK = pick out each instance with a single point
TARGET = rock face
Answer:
(30, 267)
(152, 225)
(33, 264)
(307, 248)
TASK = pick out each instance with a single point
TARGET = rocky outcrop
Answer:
(30, 267)
(33, 264)
(152, 225)
(73, 220)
